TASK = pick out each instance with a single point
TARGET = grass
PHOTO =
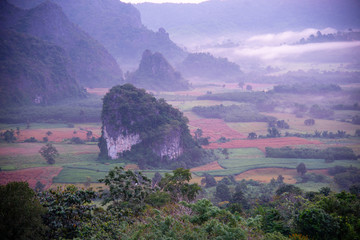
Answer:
(241, 160)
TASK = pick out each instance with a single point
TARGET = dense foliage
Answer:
(136, 209)
(331, 153)
(20, 212)
(233, 113)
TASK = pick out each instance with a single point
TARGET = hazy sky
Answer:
(163, 1)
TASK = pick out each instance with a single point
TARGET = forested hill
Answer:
(93, 65)
(217, 16)
(33, 71)
(117, 26)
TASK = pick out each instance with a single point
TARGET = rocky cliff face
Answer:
(118, 143)
(135, 122)
(155, 73)
(170, 147)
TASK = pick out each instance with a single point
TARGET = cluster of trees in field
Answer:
(233, 113)
(134, 207)
(329, 154)
(307, 88)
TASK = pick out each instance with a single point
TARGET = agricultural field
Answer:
(245, 158)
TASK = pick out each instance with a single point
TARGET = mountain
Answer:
(217, 17)
(34, 71)
(155, 73)
(206, 66)
(118, 27)
(137, 126)
(93, 65)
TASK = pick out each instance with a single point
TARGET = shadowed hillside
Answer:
(93, 65)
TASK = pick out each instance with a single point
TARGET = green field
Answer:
(243, 159)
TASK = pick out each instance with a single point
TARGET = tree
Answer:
(128, 191)
(357, 133)
(156, 179)
(209, 180)
(49, 152)
(20, 212)
(309, 122)
(178, 185)
(273, 132)
(48, 133)
(317, 224)
(252, 135)
(198, 133)
(88, 135)
(301, 169)
(222, 192)
(249, 88)
(9, 136)
(68, 208)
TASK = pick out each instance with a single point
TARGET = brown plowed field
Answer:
(266, 174)
(31, 175)
(214, 128)
(262, 143)
(207, 167)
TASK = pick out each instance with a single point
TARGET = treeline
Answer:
(320, 134)
(233, 113)
(307, 88)
(332, 37)
(329, 154)
(77, 111)
(354, 107)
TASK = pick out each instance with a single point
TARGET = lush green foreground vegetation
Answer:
(134, 207)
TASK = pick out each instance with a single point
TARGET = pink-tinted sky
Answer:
(163, 1)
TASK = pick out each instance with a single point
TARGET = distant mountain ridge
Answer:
(34, 71)
(93, 65)
(216, 17)
(118, 27)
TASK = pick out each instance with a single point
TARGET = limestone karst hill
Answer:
(138, 127)
(155, 73)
